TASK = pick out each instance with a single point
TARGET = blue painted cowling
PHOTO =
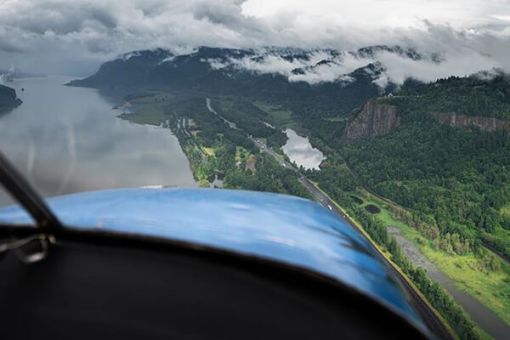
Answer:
(281, 228)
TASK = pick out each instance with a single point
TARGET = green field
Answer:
(280, 116)
(148, 108)
(209, 151)
(491, 288)
(389, 220)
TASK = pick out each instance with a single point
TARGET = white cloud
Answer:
(75, 36)
(381, 13)
(398, 68)
(319, 66)
(336, 70)
(275, 63)
(326, 66)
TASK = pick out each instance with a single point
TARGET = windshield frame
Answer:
(22, 192)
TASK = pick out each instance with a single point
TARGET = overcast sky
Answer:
(75, 36)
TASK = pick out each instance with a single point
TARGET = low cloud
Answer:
(393, 66)
(398, 68)
(318, 66)
(59, 36)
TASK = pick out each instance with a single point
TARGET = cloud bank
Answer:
(74, 37)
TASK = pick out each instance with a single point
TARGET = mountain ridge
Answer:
(334, 82)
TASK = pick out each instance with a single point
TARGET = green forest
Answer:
(455, 180)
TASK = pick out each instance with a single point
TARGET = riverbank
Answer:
(219, 150)
(68, 139)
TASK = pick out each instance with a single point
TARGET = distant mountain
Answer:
(314, 80)
(8, 99)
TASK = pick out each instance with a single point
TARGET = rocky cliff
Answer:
(8, 99)
(465, 122)
(374, 119)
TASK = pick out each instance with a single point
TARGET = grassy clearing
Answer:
(148, 108)
(389, 220)
(209, 151)
(280, 116)
(144, 116)
(491, 288)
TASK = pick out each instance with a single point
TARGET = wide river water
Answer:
(68, 139)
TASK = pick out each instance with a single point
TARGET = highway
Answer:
(433, 323)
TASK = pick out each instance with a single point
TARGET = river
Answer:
(68, 139)
(300, 151)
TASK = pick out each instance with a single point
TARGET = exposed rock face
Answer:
(464, 122)
(375, 119)
(8, 99)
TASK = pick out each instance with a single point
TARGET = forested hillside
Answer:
(445, 154)
(458, 179)
(484, 94)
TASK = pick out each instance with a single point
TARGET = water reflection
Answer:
(67, 139)
(300, 151)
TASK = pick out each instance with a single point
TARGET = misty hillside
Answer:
(333, 82)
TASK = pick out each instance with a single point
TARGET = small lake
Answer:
(68, 139)
(300, 151)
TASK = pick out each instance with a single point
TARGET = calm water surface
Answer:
(68, 139)
(299, 150)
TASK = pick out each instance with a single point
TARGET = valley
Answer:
(210, 159)
(444, 185)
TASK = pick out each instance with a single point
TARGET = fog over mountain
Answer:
(468, 36)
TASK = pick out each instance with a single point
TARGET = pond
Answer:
(300, 151)
(373, 209)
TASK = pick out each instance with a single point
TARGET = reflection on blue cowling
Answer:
(277, 227)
